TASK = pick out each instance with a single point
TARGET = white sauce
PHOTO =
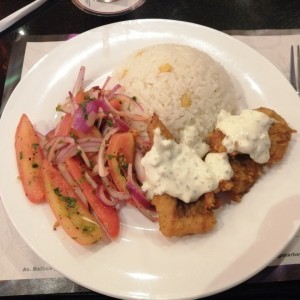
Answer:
(189, 136)
(179, 171)
(246, 133)
(219, 164)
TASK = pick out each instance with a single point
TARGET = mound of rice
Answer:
(183, 85)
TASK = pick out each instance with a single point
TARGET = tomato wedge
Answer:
(29, 160)
(92, 132)
(116, 103)
(120, 153)
(64, 126)
(68, 209)
(108, 216)
(79, 97)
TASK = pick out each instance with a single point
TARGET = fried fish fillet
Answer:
(245, 173)
(177, 218)
(154, 123)
(245, 170)
(280, 135)
(279, 132)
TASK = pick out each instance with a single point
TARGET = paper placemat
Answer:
(18, 261)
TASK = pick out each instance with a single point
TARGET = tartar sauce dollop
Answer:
(179, 170)
(246, 133)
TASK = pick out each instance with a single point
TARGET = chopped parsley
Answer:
(71, 202)
(83, 107)
(110, 123)
(110, 156)
(35, 165)
(35, 146)
(58, 107)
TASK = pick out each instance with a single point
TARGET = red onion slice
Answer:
(137, 194)
(68, 177)
(109, 201)
(79, 81)
(56, 144)
(130, 102)
(65, 153)
(112, 190)
(139, 169)
(79, 121)
(102, 170)
(121, 124)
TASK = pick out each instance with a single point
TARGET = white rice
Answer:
(183, 85)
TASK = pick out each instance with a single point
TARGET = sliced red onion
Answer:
(105, 84)
(137, 194)
(79, 121)
(42, 139)
(130, 102)
(79, 81)
(68, 177)
(95, 140)
(94, 92)
(103, 104)
(125, 114)
(95, 170)
(139, 169)
(112, 190)
(84, 156)
(83, 120)
(112, 92)
(65, 153)
(90, 180)
(122, 124)
(142, 203)
(58, 143)
(93, 106)
(109, 201)
(102, 170)
(69, 106)
(150, 214)
(143, 144)
(72, 98)
(90, 147)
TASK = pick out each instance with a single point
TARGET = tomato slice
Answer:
(70, 212)
(116, 104)
(79, 97)
(92, 132)
(64, 126)
(120, 153)
(107, 215)
(29, 160)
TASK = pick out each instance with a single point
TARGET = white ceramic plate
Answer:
(142, 263)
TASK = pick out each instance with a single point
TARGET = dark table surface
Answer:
(58, 17)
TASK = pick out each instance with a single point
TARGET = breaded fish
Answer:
(279, 132)
(177, 218)
(280, 135)
(246, 171)
(154, 123)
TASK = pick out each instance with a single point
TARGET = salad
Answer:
(89, 166)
